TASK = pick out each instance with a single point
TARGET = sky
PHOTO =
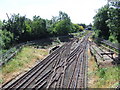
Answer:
(80, 11)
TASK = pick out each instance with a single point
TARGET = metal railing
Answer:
(5, 57)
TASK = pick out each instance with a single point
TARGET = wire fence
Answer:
(5, 57)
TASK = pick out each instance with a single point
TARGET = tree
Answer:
(107, 22)
(23, 29)
(6, 38)
(114, 23)
(38, 27)
(81, 28)
(82, 24)
(75, 28)
(61, 25)
(63, 16)
(16, 25)
(28, 30)
(100, 22)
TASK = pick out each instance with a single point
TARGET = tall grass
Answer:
(25, 59)
(108, 76)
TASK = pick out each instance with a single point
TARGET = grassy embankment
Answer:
(22, 62)
(26, 59)
(102, 77)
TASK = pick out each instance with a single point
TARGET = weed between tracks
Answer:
(92, 68)
(22, 62)
(27, 58)
(102, 77)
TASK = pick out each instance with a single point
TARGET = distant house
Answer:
(89, 28)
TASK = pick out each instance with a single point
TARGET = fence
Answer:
(108, 43)
(4, 58)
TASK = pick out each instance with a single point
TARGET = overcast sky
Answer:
(80, 11)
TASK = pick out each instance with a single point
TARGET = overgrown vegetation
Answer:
(103, 77)
(108, 76)
(6, 38)
(28, 57)
(20, 28)
(107, 23)
(21, 62)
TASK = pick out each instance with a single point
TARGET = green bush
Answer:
(6, 38)
(113, 38)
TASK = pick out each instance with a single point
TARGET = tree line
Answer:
(107, 22)
(20, 28)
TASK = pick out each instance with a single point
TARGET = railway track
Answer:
(63, 68)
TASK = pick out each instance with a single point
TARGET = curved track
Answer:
(64, 68)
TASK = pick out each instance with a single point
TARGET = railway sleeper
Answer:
(41, 86)
(40, 80)
(35, 74)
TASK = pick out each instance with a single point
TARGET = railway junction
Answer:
(66, 67)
